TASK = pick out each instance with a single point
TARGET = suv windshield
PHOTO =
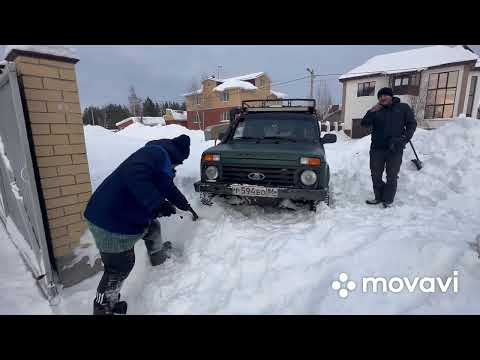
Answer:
(287, 127)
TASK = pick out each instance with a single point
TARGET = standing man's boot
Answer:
(373, 201)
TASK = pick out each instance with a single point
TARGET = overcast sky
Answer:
(165, 72)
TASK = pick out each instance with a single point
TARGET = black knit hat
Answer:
(385, 91)
(182, 143)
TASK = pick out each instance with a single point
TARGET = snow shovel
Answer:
(194, 214)
(416, 161)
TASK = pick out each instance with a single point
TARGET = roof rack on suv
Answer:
(297, 105)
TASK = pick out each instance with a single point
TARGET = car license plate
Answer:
(252, 190)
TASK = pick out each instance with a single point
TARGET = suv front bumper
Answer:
(283, 193)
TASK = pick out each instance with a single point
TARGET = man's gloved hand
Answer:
(376, 107)
(166, 209)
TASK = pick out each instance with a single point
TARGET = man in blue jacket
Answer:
(125, 205)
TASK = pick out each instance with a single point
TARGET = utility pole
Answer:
(91, 114)
(218, 71)
(312, 77)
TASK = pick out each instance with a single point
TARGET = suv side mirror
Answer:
(329, 139)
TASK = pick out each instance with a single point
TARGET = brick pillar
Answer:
(53, 108)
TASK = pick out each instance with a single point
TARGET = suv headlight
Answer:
(308, 178)
(211, 172)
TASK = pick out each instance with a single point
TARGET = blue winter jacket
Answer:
(129, 198)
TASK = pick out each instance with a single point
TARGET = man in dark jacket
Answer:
(126, 204)
(393, 124)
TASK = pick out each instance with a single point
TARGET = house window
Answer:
(197, 99)
(471, 95)
(196, 119)
(406, 84)
(262, 83)
(442, 88)
(225, 116)
(366, 89)
(226, 96)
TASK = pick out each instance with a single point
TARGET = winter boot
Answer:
(387, 204)
(373, 202)
(160, 256)
(100, 306)
(103, 307)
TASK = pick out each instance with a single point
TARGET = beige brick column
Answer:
(53, 107)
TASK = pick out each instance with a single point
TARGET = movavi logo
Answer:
(397, 284)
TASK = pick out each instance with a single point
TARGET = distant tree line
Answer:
(110, 114)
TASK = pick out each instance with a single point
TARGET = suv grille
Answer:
(273, 176)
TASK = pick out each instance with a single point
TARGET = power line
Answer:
(235, 91)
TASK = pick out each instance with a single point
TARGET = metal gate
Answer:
(20, 207)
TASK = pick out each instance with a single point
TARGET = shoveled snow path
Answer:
(252, 260)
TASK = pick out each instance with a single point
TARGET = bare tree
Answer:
(324, 98)
(417, 103)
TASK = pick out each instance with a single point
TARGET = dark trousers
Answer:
(117, 267)
(380, 161)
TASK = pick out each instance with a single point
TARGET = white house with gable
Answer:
(439, 82)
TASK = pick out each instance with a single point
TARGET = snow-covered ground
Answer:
(252, 260)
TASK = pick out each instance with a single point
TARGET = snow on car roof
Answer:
(410, 60)
(57, 50)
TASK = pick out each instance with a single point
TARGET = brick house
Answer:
(212, 103)
(439, 82)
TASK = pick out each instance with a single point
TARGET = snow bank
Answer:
(416, 59)
(57, 50)
(101, 143)
(252, 260)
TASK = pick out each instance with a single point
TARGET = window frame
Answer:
(471, 95)
(361, 88)
(224, 116)
(226, 96)
(431, 109)
(411, 88)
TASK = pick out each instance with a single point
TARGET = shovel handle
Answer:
(194, 214)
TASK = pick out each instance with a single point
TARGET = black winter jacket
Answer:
(395, 123)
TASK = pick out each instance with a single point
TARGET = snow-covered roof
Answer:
(244, 77)
(195, 92)
(57, 50)
(178, 115)
(238, 82)
(411, 60)
(235, 84)
(477, 65)
(279, 94)
(147, 120)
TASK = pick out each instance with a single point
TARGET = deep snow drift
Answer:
(252, 260)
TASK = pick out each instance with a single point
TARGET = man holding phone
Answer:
(393, 125)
